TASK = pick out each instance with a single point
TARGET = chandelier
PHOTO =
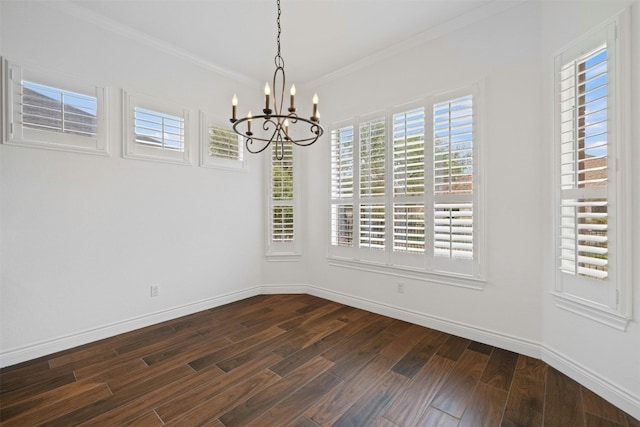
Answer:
(277, 125)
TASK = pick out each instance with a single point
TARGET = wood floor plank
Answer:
(301, 357)
(534, 368)
(416, 358)
(132, 392)
(455, 394)
(436, 418)
(500, 369)
(209, 410)
(45, 411)
(563, 405)
(597, 406)
(266, 399)
(129, 411)
(373, 403)
(184, 402)
(296, 360)
(453, 347)
(418, 394)
(332, 405)
(233, 349)
(290, 408)
(525, 404)
(360, 355)
(485, 408)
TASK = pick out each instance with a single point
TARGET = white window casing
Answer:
(405, 191)
(220, 146)
(155, 130)
(45, 109)
(283, 218)
(592, 204)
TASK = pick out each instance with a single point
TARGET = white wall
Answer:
(501, 53)
(511, 54)
(84, 236)
(80, 241)
(605, 359)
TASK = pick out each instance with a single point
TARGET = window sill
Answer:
(591, 311)
(449, 279)
(284, 257)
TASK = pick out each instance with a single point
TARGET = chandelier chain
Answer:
(278, 59)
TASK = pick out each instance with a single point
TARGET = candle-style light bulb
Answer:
(286, 127)
(315, 105)
(234, 105)
(249, 122)
(267, 92)
(293, 94)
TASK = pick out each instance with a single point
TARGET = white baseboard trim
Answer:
(616, 395)
(33, 351)
(486, 336)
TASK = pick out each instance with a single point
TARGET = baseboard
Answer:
(43, 348)
(609, 391)
(618, 396)
(486, 336)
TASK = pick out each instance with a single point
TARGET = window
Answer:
(589, 142)
(221, 147)
(404, 191)
(52, 111)
(282, 211)
(155, 130)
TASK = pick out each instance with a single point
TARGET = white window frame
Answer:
(134, 150)
(607, 302)
(16, 134)
(209, 161)
(468, 273)
(278, 250)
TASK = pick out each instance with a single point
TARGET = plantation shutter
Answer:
(282, 195)
(453, 178)
(155, 128)
(372, 184)
(342, 182)
(57, 110)
(584, 221)
(224, 143)
(408, 181)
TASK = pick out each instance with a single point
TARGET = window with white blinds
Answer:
(342, 173)
(155, 130)
(220, 146)
(282, 195)
(583, 165)
(453, 161)
(402, 197)
(54, 111)
(592, 270)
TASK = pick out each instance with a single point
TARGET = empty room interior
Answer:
(437, 225)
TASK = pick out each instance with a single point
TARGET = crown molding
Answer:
(78, 12)
(476, 15)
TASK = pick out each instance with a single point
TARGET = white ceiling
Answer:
(239, 36)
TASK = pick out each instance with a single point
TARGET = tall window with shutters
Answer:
(453, 183)
(282, 214)
(342, 173)
(403, 197)
(588, 140)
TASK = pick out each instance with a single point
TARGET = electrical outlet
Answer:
(400, 288)
(154, 290)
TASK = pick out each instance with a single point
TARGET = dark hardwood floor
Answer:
(294, 360)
